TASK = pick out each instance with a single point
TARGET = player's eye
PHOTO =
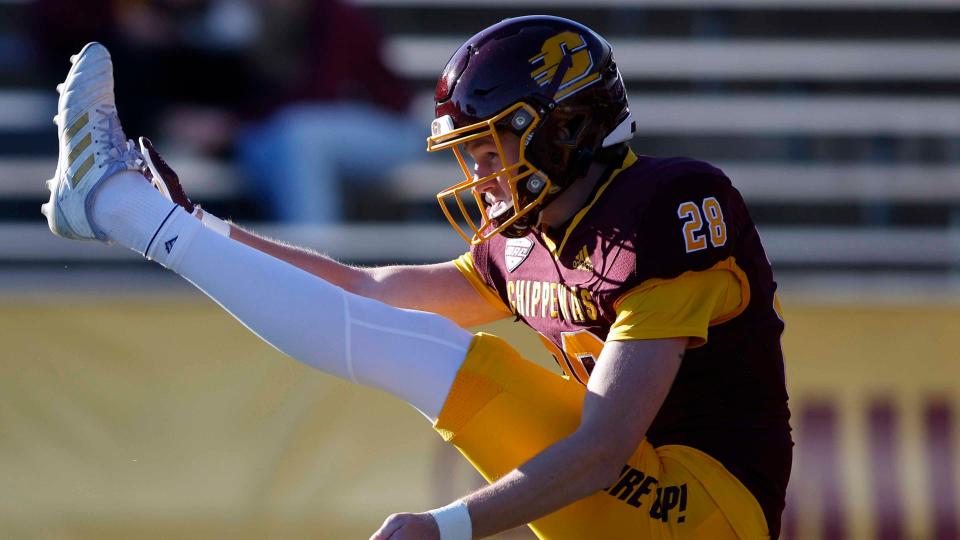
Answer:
(483, 159)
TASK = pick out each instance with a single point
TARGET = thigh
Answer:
(503, 410)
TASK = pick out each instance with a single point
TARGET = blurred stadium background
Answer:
(132, 407)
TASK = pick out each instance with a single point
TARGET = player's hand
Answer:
(408, 527)
(162, 176)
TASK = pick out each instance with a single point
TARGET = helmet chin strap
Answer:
(622, 133)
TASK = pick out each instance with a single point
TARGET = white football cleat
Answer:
(93, 146)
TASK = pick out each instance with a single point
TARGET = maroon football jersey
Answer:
(657, 219)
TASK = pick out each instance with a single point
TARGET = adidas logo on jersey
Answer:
(582, 260)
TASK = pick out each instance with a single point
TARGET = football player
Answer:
(645, 277)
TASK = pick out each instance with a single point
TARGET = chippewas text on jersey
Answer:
(549, 299)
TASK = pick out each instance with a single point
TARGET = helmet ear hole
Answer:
(570, 132)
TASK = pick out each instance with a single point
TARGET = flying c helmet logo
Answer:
(579, 70)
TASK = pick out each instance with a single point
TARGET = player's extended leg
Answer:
(99, 193)
(502, 410)
(411, 354)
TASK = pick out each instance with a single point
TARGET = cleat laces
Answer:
(115, 143)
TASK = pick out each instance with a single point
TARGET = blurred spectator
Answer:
(333, 109)
(180, 66)
(298, 89)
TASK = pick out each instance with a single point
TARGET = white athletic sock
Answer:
(413, 355)
(130, 211)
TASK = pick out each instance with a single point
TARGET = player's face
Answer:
(489, 197)
(486, 161)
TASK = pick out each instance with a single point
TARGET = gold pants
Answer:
(503, 410)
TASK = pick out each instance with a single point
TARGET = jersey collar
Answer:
(628, 160)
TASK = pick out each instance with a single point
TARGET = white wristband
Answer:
(215, 224)
(453, 520)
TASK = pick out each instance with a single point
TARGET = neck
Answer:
(572, 199)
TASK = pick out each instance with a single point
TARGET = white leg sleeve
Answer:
(413, 355)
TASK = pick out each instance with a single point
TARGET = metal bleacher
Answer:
(839, 120)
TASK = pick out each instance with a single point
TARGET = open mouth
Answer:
(497, 209)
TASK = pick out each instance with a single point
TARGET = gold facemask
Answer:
(444, 136)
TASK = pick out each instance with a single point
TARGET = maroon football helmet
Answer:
(550, 81)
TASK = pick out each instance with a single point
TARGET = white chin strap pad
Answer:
(622, 133)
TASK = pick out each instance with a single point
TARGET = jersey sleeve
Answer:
(465, 264)
(691, 223)
(686, 277)
(685, 306)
